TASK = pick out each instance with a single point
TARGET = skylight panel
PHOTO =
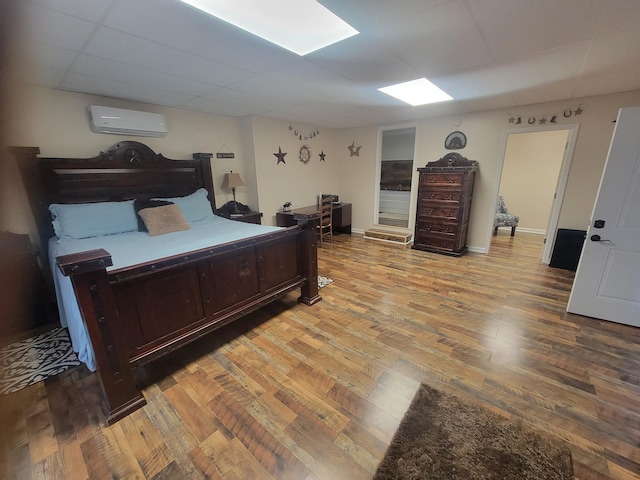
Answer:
(417, 92)
(301, 26)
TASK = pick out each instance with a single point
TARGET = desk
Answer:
(341, 221)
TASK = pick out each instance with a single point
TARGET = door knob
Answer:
(595, 238)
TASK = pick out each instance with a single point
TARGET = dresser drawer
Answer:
(440, 195)
(442, 179)
(434, 240)
(429, 225)
(440, 211)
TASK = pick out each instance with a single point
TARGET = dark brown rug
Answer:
(443, 438)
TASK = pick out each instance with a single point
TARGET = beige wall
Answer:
(58, 123)
(485, 143)
(529, 176)
(292, 180)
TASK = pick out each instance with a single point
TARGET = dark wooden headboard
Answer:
(125, 171)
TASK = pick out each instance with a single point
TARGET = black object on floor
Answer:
(567, 249)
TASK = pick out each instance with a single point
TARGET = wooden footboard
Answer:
(136, 314)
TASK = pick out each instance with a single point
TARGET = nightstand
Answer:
(23, 295)
(248, 217)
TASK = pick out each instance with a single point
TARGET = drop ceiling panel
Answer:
(114, 45)
(439, 41)
(185, 29)
(618, 15)
(615, 52)
(92, 10)
(524, 27)
(46, 56)
(602, 84)
(111, 88)
(291, 93)
(552, 92)
(363, 59)
(136, 76)
(221, 107)
(261, 103)
(55, 29)
(558, 65)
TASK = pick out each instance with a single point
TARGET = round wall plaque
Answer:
(455, 141)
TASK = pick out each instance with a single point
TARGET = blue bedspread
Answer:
(131, 248)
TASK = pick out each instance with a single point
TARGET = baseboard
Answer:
(537, 231)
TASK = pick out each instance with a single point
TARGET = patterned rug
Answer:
(35, 359)
(323, 281)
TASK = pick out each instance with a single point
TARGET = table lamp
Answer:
(233, 180)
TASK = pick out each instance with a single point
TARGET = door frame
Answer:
(376, 190)
(561, 185)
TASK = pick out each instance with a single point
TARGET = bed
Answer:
(140, 296)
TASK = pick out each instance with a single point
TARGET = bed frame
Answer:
(131, 314)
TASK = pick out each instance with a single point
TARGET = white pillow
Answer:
(195, 207)
(84, 220)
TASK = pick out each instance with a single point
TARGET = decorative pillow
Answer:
(195, 207)
(141, 204)
(84, 220)
(164, 219)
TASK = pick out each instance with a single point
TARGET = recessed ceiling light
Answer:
(417, 92)
(301, 26)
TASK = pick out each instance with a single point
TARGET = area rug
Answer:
(443, 438)
(323, 281)
(35, 359)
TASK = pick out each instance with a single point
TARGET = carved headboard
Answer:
(125, 171)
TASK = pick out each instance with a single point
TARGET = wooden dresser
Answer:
(444, 201)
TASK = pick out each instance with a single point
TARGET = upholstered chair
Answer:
(503, 218)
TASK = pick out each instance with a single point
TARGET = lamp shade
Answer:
(232, 180)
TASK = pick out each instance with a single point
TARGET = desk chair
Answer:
(503, 218)
(326, 216)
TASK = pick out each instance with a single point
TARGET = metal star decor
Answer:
(354, 150)
(280, 156)
(578, 111)
(512, 119)
(322, 155)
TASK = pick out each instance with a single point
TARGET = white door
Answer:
(607, 282)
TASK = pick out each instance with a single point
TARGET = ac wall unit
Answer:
(119, 121)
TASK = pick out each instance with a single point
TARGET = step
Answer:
(392, 236)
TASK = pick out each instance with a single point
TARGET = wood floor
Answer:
(307, 393)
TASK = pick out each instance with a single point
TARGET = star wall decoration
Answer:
(322, 155)
(354, 149)
(546, 117)
(280, 156)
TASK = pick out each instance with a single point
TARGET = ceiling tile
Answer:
(111, 88)
(54, 28)
(114, 45)
(525, 27)
(92, 10)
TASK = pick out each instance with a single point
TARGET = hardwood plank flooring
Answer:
(315, 393)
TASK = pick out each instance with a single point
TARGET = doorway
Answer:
(395, 172)
(533, 176)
